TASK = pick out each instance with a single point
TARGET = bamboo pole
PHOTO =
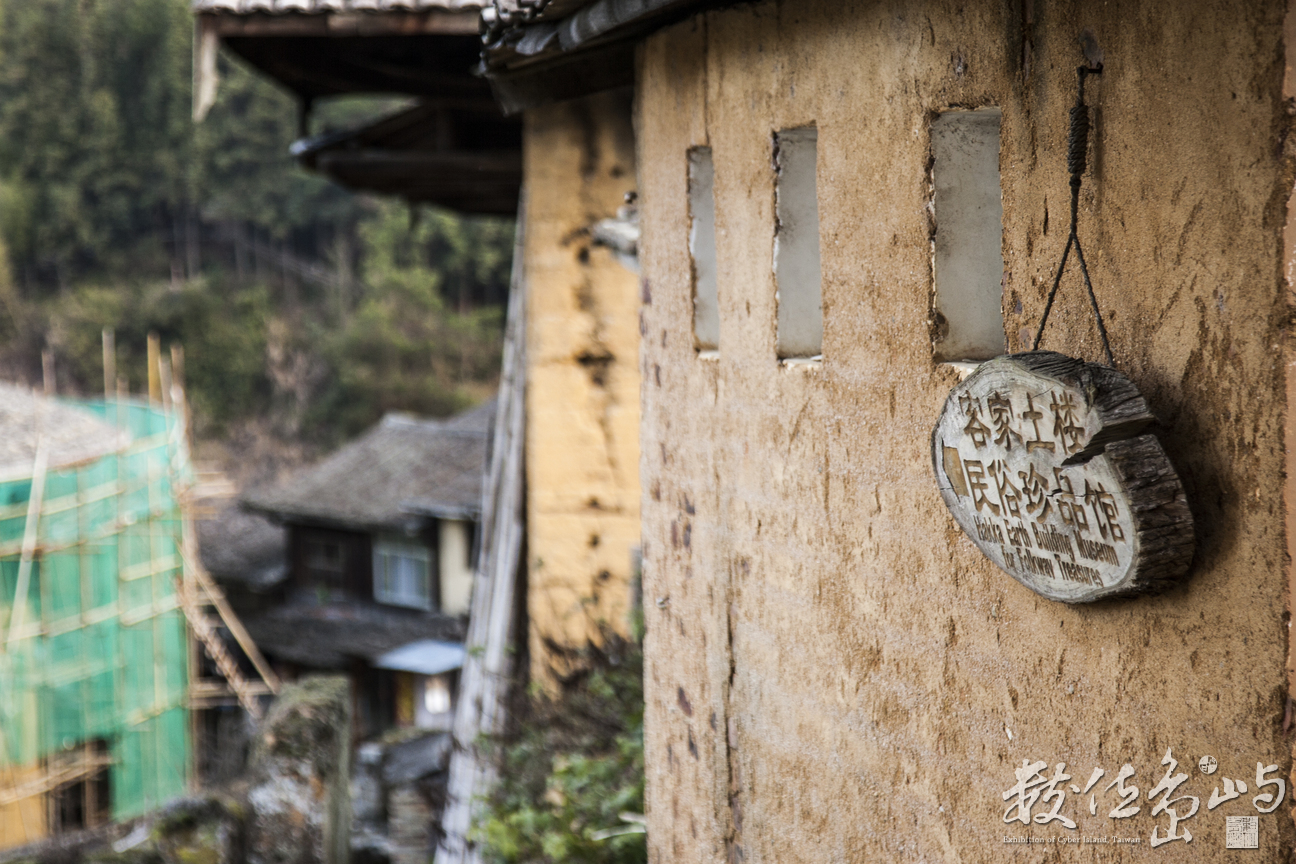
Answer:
(178, 397)
(61, 773)
(109, 361)
(164, 382)
(35, 499)
(197, 588)
(178, 370)
(154, 372)
(47, 372)
(216, 596)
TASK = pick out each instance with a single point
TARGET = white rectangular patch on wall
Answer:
(799, 294)
(968, 263)
(702, 249)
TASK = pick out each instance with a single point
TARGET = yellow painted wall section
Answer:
(24, 821)
(582, 378)
(454, 553)
(834, 672)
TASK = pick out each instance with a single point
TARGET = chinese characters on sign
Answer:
(1040, 797)
(1040, 459)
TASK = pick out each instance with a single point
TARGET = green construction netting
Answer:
(99, 653)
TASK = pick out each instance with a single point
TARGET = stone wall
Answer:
(834, 672)
(300, 767)
(582, 380)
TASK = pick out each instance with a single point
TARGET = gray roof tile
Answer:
(375, 481)
(332, 636)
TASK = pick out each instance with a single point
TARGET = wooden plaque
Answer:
(1044, 461)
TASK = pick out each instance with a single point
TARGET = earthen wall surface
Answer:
(582, 448)
(834, 672)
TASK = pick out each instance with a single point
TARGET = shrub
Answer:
(572, 765)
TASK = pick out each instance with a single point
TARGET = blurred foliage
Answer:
(404, 348)
(571, 767)
(93, 138)
(116, 210)
(225, 375)
(100, 162)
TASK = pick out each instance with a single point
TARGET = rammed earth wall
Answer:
(834, 672)
(582, 382)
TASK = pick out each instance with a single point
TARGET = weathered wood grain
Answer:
(483, 685)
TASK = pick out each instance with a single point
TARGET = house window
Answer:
(967, 321)
(702, 249)
(325, 561)
(403, 573)
(796, 244)
(86, 801)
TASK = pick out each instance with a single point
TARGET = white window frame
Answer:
(702, 249)
(798, 274)
(967, 251)
(388, 555)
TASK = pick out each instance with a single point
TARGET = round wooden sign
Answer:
(1044, 462)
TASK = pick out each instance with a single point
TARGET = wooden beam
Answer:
(331, 70)
(35, 500)
(59, 774)
(440, 22)
(154, 370)
(483, 687)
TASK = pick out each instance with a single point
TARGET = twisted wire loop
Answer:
(1077, 162)
(1078, 145)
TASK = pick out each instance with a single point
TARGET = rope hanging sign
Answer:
(1047, 463)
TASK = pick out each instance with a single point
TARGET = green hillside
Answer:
(300, 306)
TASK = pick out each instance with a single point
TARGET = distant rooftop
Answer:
(401, 466)
(320, 48)
(333, 636)
(242, 548)
(71, 434)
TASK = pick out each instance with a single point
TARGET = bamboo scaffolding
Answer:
(57, 774)
(197, 590)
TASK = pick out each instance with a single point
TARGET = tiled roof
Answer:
(370, 483)
(523, 11)
(310, 7)
(332, 636)
(243, 548)
(72, 434)
(405, 154)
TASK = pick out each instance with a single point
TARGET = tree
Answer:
(116, 210)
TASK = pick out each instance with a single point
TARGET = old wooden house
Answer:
(457, 147)
(379, 540)
(844, 208)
